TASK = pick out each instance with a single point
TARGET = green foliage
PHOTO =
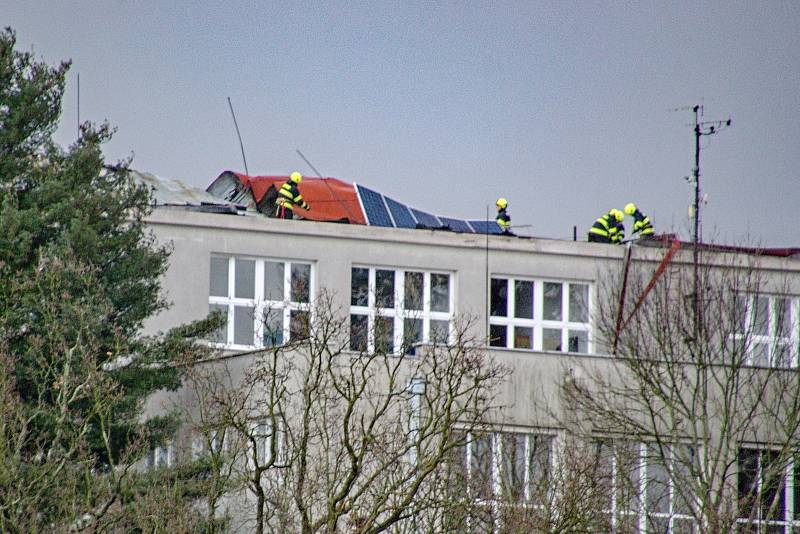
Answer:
(80, 274)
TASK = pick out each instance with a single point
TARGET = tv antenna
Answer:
(701, 128)
(241, 146)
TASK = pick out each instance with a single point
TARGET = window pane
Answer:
(481, 468)
(358, 333)
(262, 434)
(578, 341)
(440, 332)
(539, 465)
(499, 302)
(414, 291)
(497, 335)
(221, 334)
(273, 280)
(412, 333)
(782, 317)
(298, 325)
(245, 279)
(761, 316)
(243, 325)
(740, 312)
(384, 288)
(579, 303)
(761, 354)
(627, 458)
(440, 292)
(657, 493)
(773, 503)
(551, 339)
(797, 488)
(512, 470)
(218, 286)
(301, 282)
(682, 459)
(273, 328)
(523, 337)
(359, 287)
(747, 480)
(384, 334)
(552, 301)
(523, 299)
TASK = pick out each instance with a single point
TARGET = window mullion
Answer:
(259, 309)
(426, 307)
(371, 304)
(399, 302)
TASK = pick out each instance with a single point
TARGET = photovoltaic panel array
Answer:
(402, 217)
(481, 227)
(384, 211)
(426, 219)
(374, 208)
(456, 225)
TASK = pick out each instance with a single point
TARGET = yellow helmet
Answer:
(501, 203)
(296, 177)
(618, 215)
(630, 208)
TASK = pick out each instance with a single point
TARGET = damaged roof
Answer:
(169, 192)
(334, 200)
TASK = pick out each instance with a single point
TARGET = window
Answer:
(641, 494)
(768, 491)
(539, 315)
(391, 310)
(262, 433)
(264, 301)
(768, 326)
(508, 467)
(161, 456)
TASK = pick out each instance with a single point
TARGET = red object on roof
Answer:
(330, 199)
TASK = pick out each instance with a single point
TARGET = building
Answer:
(405, 276)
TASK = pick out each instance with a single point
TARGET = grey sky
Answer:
(559, 106)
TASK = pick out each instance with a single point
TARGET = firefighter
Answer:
(641, 222)
(503, 218)
(289, 196)
(608, 228)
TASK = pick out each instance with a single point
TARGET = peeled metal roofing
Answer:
(171, 192)
(334, 200)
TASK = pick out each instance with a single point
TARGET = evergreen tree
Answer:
(80, 274)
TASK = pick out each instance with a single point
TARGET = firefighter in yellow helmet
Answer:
(608, 228)
(289, 196)
(641, 222)
(503, 219)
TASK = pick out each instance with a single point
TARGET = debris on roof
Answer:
(334, 200)
(171, 192)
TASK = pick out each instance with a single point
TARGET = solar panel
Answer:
(482, 228)
(402, 217)
(426, 219)
(456, 225)
(374, 208)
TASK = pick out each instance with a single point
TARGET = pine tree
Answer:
(80, 274)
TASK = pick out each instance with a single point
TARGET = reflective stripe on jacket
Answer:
(289, 196)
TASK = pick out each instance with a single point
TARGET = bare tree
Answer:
(333, 439)
(702, 392)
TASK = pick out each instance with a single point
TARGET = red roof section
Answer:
(330, 199)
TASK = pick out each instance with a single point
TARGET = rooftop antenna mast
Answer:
(241, 146)
(701, 128)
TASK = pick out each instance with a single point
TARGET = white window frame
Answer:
(398, 313)
(642, 514)
(771, 339)
(788, 520)
(538, 323)
(259, 303)
(496, 441)
(162, 455)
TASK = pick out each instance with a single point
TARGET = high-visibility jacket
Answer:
(606, 229)
(289, 196)
(503, 220)
(641, 223)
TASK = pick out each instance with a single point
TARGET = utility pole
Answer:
(700, 129)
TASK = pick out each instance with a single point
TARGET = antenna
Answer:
(241, 146)
(701, 128)
(333, 194)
